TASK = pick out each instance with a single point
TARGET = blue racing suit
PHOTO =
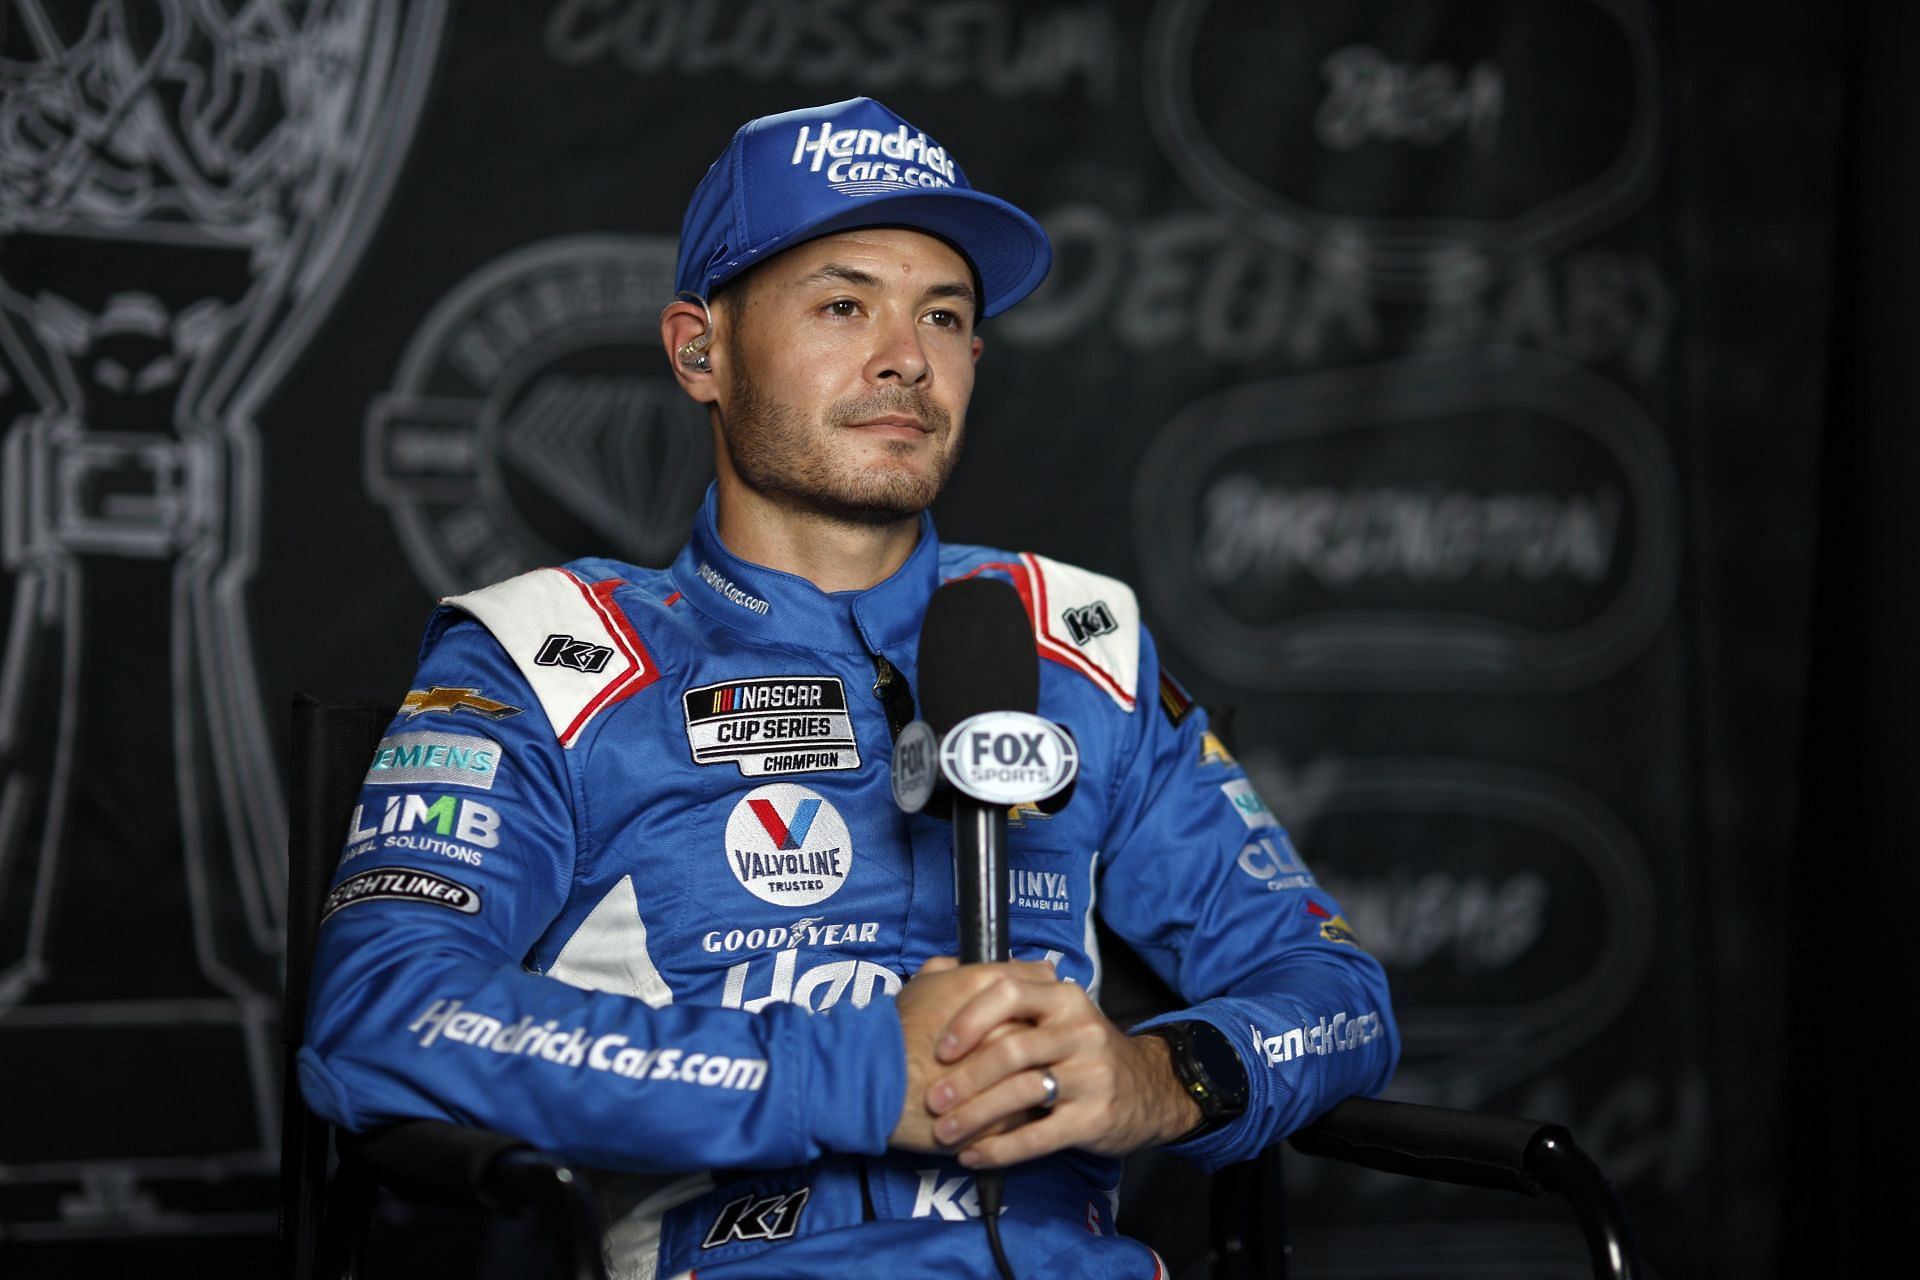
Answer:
(626, 879)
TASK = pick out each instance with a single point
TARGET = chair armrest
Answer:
(432, 1161)
(1529, 1157)
(1435, 1143)
(441, 1163)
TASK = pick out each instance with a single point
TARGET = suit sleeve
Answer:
(459, 856)
(1201, 879)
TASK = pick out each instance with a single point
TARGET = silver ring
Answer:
(1051, 1083)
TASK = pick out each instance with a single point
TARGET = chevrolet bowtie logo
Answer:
(439, 698)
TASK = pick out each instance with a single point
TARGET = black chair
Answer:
(324, 1217)
(1244, 1208)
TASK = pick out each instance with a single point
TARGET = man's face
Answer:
(844, 386)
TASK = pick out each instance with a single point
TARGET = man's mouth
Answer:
(894, 421)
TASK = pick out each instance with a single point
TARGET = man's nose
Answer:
(897, 353)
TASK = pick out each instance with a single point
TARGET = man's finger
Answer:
(1044, 1136)
(1014, 1099)
(1025, 993)
(1019, 1049)
(1010, 978)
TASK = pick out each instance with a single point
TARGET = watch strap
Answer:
(1208, 1068)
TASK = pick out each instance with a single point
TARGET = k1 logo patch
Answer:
(1088, 621)
(773, 1217)
(565, 651)
(772, 725)
(788, 846)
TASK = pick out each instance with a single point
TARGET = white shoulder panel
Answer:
(1089, 622)
(608, 952)
(569, 639)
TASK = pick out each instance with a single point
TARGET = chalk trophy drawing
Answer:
(184, 187)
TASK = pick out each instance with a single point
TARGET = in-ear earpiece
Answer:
(693, 355)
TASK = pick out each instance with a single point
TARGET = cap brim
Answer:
(1006, 246)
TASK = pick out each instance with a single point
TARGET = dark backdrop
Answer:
(1451, 378)
(1849, 1179)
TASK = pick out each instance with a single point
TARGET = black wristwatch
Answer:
(1208, 1069)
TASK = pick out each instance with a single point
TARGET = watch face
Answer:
(1220, 1068)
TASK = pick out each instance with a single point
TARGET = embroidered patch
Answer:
(401, 884)
(443, 698)
(788, 846)
(1247, 803)
(772, 725)
(774, 1217)
(1086, 622)
(425, 758)
(562, 650)
(572, 641)
(1214, 751)
(1337, 930)
(1175, 701)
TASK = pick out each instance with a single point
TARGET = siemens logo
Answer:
(435, 759)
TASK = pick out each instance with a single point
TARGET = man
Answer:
(627, 878)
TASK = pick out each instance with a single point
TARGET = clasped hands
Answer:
(981, 1040)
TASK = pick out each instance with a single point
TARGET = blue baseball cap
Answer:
(801, 174)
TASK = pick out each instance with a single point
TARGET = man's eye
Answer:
(946, 319)
(842, 307)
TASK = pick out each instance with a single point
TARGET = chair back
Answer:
(333, 742)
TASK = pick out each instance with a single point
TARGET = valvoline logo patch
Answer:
(788, 845)
(787, 835)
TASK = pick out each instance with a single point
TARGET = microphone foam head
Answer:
(976, 653)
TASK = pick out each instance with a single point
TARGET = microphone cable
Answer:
(989, 1184)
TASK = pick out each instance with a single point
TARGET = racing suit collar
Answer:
(778, 606)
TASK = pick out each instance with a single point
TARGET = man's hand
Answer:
(981, 1037)
(927, 1004)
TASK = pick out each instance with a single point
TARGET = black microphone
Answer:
(980, 749)
(976, 656)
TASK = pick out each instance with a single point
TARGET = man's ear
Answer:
(686, 337)
(979, 345)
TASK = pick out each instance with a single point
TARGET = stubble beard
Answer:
(777, 452)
